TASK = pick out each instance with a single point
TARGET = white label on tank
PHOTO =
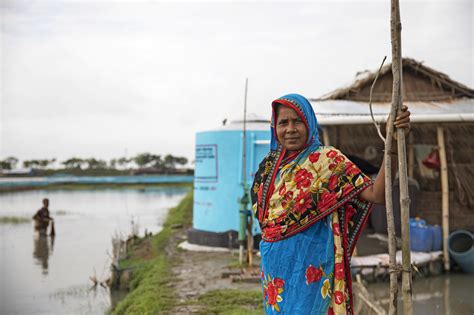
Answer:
(206, 163)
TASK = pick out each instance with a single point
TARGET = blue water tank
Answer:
(218, 177)
(437, 237)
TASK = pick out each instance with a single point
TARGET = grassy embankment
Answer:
(150, 288)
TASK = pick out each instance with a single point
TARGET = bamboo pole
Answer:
(397, 100)
(411, 156)
(392, 245)
(444, 194)
(326, 136)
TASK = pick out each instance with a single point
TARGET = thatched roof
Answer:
(420, 83)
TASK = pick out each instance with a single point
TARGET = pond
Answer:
(44, 275)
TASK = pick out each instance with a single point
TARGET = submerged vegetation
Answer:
(14, 220)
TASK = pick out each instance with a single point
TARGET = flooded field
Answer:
(44, 275)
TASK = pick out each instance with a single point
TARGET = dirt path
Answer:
(201, 272)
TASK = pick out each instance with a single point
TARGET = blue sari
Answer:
(310, 214)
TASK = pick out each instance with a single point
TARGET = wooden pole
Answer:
(326, 136)
(444, 194)
(244, 199)
(411, 156)
(392, 245)
(250, 242)
(397, 100)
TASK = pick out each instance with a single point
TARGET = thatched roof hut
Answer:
(435, 101)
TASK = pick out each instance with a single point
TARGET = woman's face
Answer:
(290, 129)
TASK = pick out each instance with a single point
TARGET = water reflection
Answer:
(445, 294)
(43, 248)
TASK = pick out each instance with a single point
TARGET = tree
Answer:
(9, 163)
(170, 161)
(113, 163)
(74, 163)
(41, 164)
(146, 159)
(93, 163)
(123, 161)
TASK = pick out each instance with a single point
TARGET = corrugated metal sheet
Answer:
(336, 112)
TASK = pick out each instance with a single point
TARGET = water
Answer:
(437, 295)
(51, 276)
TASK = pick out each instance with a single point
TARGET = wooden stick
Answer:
(444, 194)
(397, 101)
(392, 245)
(411, 156)
(53, 230)
(377, 125)
(250, 241)
(364, 295)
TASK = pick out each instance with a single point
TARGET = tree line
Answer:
(141, 161)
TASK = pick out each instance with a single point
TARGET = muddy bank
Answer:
(163, 279)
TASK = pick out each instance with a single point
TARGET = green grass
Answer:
(232, 302)
(149, 290)
(14, 220)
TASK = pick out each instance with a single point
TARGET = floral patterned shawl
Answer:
(293, 192)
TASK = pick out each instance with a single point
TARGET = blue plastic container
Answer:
(417, 222)
(437, 237)
(461, 250)
(421, 238)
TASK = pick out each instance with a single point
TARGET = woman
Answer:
(311, 203)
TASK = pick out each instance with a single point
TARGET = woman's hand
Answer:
(403, 119)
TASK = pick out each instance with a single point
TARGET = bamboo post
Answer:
(444, 194)
(397, 67)
(396, 28)
(392, 245)
(326, 136)
(411, 156)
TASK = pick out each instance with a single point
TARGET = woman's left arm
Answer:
(376, 192)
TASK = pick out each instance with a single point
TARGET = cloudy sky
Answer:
(108, 78)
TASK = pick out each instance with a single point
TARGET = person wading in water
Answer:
(42, 219)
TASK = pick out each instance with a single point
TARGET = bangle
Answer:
(391, 152)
